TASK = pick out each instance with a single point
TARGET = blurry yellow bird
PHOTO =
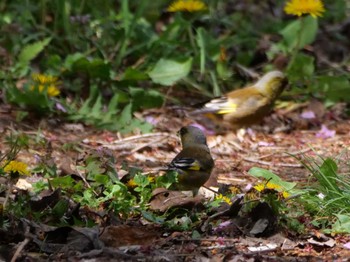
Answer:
(247, 106)
(194, 163)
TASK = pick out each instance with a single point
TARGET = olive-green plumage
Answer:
(194, 162)
(249, 105)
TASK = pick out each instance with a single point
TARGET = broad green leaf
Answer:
(334, 88)
(96, 68)
(125, 116)
(60, 208)
(134, 74)
(29, 52)
(93, 168)
(145, 98)
(71, 59)
(102, 179)
(300, 32)
(268, 175)
(342, 225)
(62, 182)
(99, 69)
(302, 66)
(168, 72)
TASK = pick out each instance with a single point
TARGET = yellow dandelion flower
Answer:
(224, 199)
(131, 183)
(52, 90)
(299, 7)
(285, 194)
(45, 83)
(260, 187)
(151, 179)
(44, 79)
(41, 88)
(187, 6)
(273, 186)
(17, 168)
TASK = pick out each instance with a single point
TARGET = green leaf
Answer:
(125, 116)
(268, 175)
(96, 68)
(334, 88)
(167, 180)
(300, 32)
(302, 66)
(168, 72)
(328, 178)
(143, 98)
(93, 168)
(209, 46)
(134, 74)
(99, 69)
(342, 225)
(150, 216)
(62, 182)
(102, 179)
(71, 59)
(30, 51)
(223, 71)
(60, 208)
(202, 44)
(95, 112)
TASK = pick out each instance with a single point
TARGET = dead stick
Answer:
(21, 246)
(271, 163)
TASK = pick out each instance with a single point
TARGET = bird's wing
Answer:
(229, 103)
(221, 105)
(236, 102)
(185, 163)
(249, 105)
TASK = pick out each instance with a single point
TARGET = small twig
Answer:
(268, 155)
(85, 181)
(299, 151)
(233, 143)
(208, 188)
(22, 245)
(155, 142)
(286, 154)
(217, 247)
(131, 138)
(8, 192)
(271, 163)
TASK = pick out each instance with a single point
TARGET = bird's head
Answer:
(272, 83)
(191, 135)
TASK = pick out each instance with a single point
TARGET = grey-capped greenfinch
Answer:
(194, 163)
(249, 105)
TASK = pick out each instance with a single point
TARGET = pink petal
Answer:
(308, 115)
(325, 132)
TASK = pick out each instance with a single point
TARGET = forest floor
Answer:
(274, 150)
